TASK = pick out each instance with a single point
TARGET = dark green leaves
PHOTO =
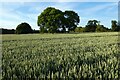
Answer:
(51, 19)
(23, 28)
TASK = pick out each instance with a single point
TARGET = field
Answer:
(54, 56)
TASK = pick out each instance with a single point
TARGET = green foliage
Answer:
(51, 19)
(70, 56)
(101, 28)
(94, 26)
(91, 26)
(115, 26)
(79, 29)
(72, 20)
(7, 31)
(36, 31)
(23, 28)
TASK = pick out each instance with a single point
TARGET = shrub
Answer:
(23, 28)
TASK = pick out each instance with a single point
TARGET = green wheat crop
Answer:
(55, 56)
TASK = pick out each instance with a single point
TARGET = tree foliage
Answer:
(7, 31)
(91, 26)
(23, 28)
(79, 29)
(101, 28)
(115, 26)
(51, 19)
(72, 20)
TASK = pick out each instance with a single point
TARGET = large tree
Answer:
(51, 19)
(71, 20)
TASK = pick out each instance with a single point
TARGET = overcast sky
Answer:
(14, 13)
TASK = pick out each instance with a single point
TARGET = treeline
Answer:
(92, 26)
(95, 26)
(12, 31)
(53, 20)
(7, 31)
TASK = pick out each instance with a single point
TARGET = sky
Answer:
(14, 13)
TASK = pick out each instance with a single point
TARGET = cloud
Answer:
(102, 12)
(106, 21)
(97, 8)
(10, 16)
(13, 14)
(64, 6)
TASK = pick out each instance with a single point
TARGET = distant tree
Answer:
(115, 26)
(118, 28)
(91, 26)
(101, 28)
(36, 31)
(23, 28)
(119, 25)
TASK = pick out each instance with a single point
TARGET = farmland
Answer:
(68, 56)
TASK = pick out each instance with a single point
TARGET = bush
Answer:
(79, 29)
(23, 28)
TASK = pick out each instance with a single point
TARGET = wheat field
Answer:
(60, 56)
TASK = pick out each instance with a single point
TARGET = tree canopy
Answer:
(115, 26)
(91, 26)
(51, 19)
(72, 19)
(23, 28)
